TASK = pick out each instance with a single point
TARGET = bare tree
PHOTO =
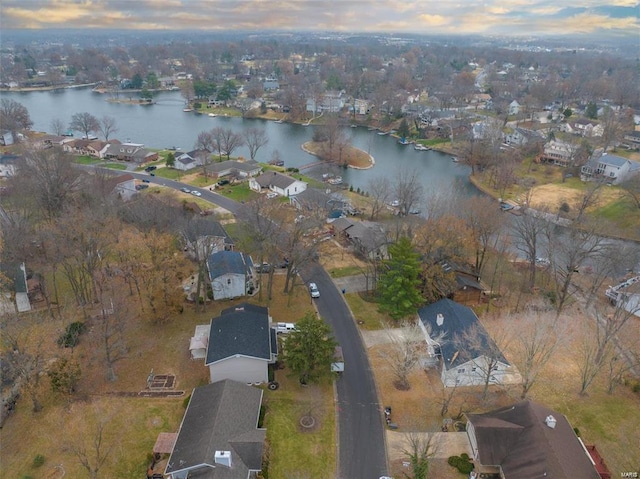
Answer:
(406, 346)
(205, 141)
(408, 190)
(58, 127)
(419, 449)
(50, 177)
(631, 188)
(535, 337)
(477, 346)
(94, 457)
(379, 189)
(14, 117)
(528, 231)
(255, 138)
(484, 219)
(107, 126)
(84, 122)
(230, 141)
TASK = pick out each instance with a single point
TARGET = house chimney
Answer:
(223, 458)
(550, 421)
(440, 319)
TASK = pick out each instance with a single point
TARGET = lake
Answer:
(164, 124)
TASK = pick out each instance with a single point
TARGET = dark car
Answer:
(145, 181)
(263, 268)
(152, 174)
(223, 182)
(150, 168)
(141, 187)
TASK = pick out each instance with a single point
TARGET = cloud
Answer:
(414, 16)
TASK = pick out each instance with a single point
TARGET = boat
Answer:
(403, 141)
(335, 181)
(354, 126)
(454, 159)
(278, 121)
(383, 133)
(212, 115)
(420, 147)
(187, 110)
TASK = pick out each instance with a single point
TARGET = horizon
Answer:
(505, 18)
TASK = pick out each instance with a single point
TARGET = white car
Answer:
(285, 327)
(196, 193)
(313, 290)
(271, 195)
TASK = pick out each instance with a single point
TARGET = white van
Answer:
(285, 327)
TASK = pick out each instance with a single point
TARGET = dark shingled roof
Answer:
(518, 439)
(244, 330)
(456, 320)
(273, 178)
(222, 416)
(224, 262)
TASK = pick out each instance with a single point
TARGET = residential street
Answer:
(362, 451)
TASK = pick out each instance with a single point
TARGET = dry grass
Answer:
(352, 156)
(132, 424)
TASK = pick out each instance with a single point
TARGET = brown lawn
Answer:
(352, 156)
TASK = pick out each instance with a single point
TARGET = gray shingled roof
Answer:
(518, 439)
(222, 416)
(225, 262)
(456, 320)
(244, 330)
(273, 178)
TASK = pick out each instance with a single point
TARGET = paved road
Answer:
(362, 451)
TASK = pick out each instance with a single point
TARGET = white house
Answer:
(230, 274)
(559, 153)
(465, 360)
(514, 108)
(611, 168)
(626, 295)
(277, 182)
(241, 345)
(123, 186)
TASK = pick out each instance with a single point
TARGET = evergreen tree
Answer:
(309, 349)
(403, 129)
(592, 110)
(399, 283)
(171, 160)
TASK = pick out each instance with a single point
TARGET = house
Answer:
(583, 127)
(469, 288)
(235, 168)
(528, 439)
(520, 136)
(331, 102)
(6, 138)
(230, 274)
(277, 182)
(191, 159)
(626, 295)
(368, 238)
(558, 153)
(241, 345)
(8, 165)
(631, 140)
(219, 437)
(49, 141)
(361, 107)
(135, 152)
(611, 168)
(465, 361)
(204, 236)
(514, 108)
(270, 84)
(123, 186)
(315, 200)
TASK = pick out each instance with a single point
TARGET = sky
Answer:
(488, 17)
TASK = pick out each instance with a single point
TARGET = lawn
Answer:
(345, 271)
(366, 312)
(169, 173)
(115, 166)
(240, 192)
(87, 160)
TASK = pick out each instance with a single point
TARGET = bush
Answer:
(263, 412)
(71, 337)
(185, 401)
(38, 460)
(461, 463)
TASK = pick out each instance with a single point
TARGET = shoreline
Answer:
(372, 160)
(48, 88)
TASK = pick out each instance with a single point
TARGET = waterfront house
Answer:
(281, 184)
(230, 274)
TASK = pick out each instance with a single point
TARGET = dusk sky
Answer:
(490, 17)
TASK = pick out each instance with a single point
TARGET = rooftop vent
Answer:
(223, 458)
(440, 319)
(550, 421)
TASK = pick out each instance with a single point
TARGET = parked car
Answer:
(263, 268)
(152, 174)
(141, 187)
(150, 168)
(185, 190)
(196, 193)
(271, 195)
(145, 181)
(285, 327)
(223, 182)
(313, 290)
